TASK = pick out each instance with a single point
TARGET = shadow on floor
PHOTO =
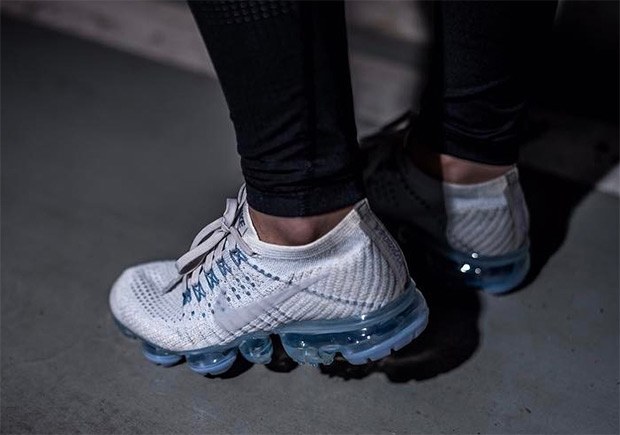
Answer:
(451, 338)
(551, 201)
(452, 335)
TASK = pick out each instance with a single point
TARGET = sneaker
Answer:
(472, 236)
(348, 292)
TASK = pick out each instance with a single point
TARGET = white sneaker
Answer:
(347, 292)
(473, 236)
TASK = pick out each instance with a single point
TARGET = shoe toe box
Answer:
(134, 296)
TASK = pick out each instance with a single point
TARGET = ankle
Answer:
(295, 231)
(453, 169)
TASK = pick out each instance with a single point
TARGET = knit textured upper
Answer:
(354, 269)
(489, 218)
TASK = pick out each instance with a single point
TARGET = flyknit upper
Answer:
(354, 269)
(489, 218)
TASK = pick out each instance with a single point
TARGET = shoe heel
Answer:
(362, 339)
(257, 350)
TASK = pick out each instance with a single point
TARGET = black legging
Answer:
(284, 70)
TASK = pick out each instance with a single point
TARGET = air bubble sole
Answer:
(491, 274)
(358, 339)
(496, 274)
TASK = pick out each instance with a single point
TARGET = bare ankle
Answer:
(453, 169)
(295, 231)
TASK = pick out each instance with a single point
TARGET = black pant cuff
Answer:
(311, 202)
(506, 153)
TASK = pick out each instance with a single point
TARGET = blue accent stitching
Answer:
(187, 297)
(199, 292)
(212, 280)
(237, 256)
(263, 272)
(223, 266)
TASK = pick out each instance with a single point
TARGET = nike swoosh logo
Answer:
(233, 319)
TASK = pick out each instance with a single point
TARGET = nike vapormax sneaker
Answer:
(347, 292)
(473, 236)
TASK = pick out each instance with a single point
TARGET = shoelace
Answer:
(209, 243)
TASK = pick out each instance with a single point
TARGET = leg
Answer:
(473, 113)
(284, 70)
(459, 195)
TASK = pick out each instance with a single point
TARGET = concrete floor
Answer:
(110, 160)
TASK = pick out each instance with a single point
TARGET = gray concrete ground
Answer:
(110, 160)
